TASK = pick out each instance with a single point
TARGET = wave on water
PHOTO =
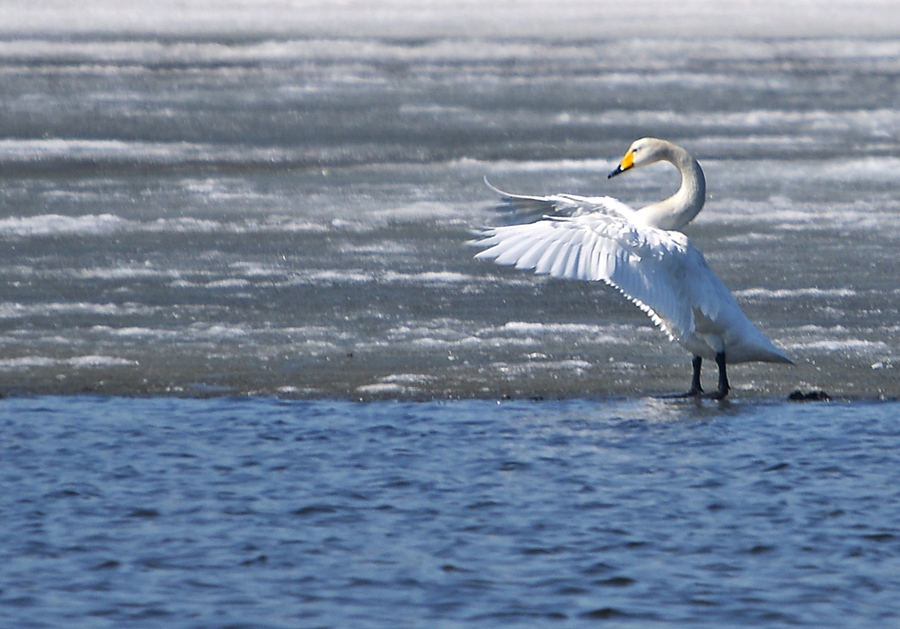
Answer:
(104, 224)
(10, 310)
(854, 345)
(62, 153)
(76, 362)
(776, 125)
(616, 51)
(790, 293)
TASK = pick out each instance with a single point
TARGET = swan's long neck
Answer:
(680, 208)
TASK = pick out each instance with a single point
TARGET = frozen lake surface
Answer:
(196, 212)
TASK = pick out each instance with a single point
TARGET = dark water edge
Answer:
(88, 388)
(357, 380)
(356, 377)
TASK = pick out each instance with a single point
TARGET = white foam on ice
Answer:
(90, 361)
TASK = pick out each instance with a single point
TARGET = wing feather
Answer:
(530, 258)
(549, 256)
(517, 209)
(648, 265)
(588, 258)
(561, 267)
(516, 251)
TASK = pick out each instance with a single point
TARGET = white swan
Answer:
(639, 253)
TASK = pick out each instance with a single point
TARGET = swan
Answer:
(641, 253)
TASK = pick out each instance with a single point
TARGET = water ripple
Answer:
(154, 511)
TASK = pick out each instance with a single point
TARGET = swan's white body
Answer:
(640, 253)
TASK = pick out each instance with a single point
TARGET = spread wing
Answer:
(661, 271)
(517, 208)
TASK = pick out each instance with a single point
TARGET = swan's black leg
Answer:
(696, 389)
(723, 378)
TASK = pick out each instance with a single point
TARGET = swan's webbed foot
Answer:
(697, 394)
(696, 391)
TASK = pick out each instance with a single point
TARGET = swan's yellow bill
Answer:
(626, 163)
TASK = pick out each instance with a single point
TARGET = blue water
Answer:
(263, 513)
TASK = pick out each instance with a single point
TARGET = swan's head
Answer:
(641, 153)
